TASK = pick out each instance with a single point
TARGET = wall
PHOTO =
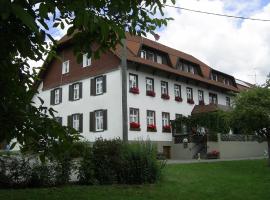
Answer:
(111, 100)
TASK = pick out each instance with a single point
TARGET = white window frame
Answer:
(213, 98)
(150, 118)
(228, 101)
(99, 85)
(143, 54)
(164, 87)
(86, 61)
(76, 122)
(149, 84)
(165, 119)
(99, 120)
(189, 93)
(159, 59)
(134, 115)
(191, 69)
(214, 77)
(177, 90)
(65, 67)
(76, 91)
(133, 81)
(56, 96)
(200, 95)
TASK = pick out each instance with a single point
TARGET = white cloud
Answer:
(233, 46)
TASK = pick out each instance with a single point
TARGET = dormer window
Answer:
(150, 56)
(214, 77)
(143, 54)
(65, 67)
(159, 59)
(86, 60)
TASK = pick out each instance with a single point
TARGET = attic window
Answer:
(143, 54)
(150, 56)
(214, 77)
(159, 59)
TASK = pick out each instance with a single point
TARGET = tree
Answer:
(251, 114)
(25, 34)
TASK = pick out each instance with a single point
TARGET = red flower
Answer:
(215, 152)
(150, 93)
(201, 102)
(152, 127)
(165, 96)
(190, 101)
(167, 128)
(134, 90)
(134, 125)
(179, 99)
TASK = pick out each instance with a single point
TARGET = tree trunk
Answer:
(268, 142)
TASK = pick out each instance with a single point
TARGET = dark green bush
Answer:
(63, 167)
(78, 149)
(86, 174)
(42, 175)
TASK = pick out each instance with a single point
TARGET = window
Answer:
(159, 59)
(99, 120)
(165, 119)
(150, 56)
(214, 77)
(189, 93)
(149, 84)
(164, 87)
(191, 69)
(75, 91)
(56, 96)
(143, 54)
(228, 101)
(133, 81)
(200, 96)
(86, 60)
(134, 115)
(98, 85)
(213, 98)
(65, 67)
(76, 121)
(150, 118)
(177, 90)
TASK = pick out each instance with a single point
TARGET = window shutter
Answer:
(104, 84)
(105, 120)
(71, 92)
(61, 120)
(52, 97)
(93, 87)
(81, 123)
(80, 90)
(92, 121)
(69, 121)
(60, 93)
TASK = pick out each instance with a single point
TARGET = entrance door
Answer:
(167, 152)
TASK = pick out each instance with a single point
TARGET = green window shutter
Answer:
(80, 90)
(81, 123)
(52, 97)
(105, 120)
(92, 121)
(104, 84)
(93, 87)
(60, 93)
(69, 122)
(71, 92)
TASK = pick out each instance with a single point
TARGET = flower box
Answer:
(134, 90)
(150, 93)
(165, 96)
(178, 99)
(134, 126)
(201, 103)
(190, 101)
(213, 154)
(152, 128)
(166, 129)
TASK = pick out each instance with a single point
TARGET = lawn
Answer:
(222, 180)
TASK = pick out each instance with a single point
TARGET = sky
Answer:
(234, 46)
(238, 47)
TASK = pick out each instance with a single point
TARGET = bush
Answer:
(86, 174)
(78, 149)
(63, 167)
(42, 175)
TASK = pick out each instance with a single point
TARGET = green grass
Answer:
(218, 181)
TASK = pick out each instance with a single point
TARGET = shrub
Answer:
(42, 175)
(86, 174)
(63, 167)
(78, 149)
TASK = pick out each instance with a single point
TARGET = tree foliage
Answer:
(26, 34)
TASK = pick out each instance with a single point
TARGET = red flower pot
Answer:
(178, 99)
(134, 125)
(152, 127)
(134, 90)
(166, 128)
(165, 96)
(201, 103)
(150, 93)
(190, 101)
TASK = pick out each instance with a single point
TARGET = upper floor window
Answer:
(159, 59)
(213, 98)
(214, 77)
(98, 120)
(164, 87)
(200, 96)
(98, 85)
(65, 67)
(150, 56)
(86, 60)
(165, 119)
(143, 54)
(228, 101)
(56, 96)
(177, 90)
(134, 115)
(75, 91)
(149, 84)
(133, 81)
(189, 93)
(150, 118)
(76, 121)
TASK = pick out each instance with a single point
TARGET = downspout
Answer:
(124, 90)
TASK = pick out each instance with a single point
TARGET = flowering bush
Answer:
(134, 125)
(134, 90)
(165, 96)
(179, 99)
(150, 93)
(201, 102)
(151, 127)
(190, 101)
(166, 128)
